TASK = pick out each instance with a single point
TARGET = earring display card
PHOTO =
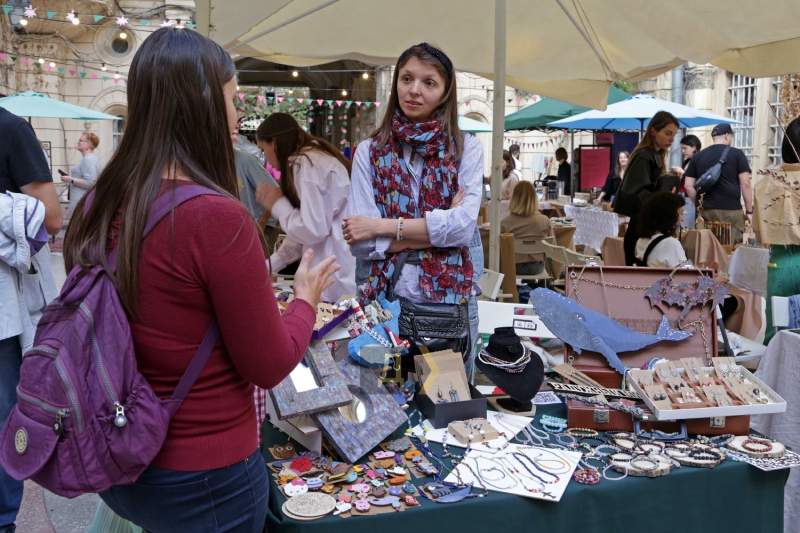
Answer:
(694, 369)
(429, 365)
(501, 422)
(469, 431)
(558, 464)
(447, 387)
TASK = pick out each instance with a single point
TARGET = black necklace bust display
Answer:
(517, 370)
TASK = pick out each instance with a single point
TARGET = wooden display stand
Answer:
(778, 450)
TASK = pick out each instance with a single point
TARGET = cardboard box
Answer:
(441, 414)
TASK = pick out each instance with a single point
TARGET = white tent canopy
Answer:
(572, 50)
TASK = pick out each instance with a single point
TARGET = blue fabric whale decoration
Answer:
(586, 330)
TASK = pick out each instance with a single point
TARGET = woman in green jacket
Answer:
(646, 165)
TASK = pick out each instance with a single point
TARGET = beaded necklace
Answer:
(502, 470)
(515, 367)
(519, 456)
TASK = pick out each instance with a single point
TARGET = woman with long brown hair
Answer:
(201, 261)
(416, 195)
(647, 163)
(614, 178)
(311, 202)
(511, 176)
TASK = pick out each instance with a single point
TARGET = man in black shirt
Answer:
(23, 169)
(723, 202)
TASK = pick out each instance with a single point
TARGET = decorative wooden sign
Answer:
(331, 393)
(352, 440)
(593, 391)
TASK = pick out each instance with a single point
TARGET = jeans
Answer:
(10, 488)
(476, 254)
(229, 499)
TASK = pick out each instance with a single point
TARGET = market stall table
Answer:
(682, 500)
(593, 225)
(704, 250)
(612, 251)
(748, 269)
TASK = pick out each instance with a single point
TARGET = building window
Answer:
(743, 108)
(776, 132)
(119, 131)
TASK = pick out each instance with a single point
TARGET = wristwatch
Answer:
(748, 212)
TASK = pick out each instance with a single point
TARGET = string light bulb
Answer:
(103, 68)
(52, 64)
(295, 73)
(180, 25)
(76, 20)
(23, 22)
(365, 76)
(116, 76)
(123, 35)
(344, 92)
(41, 60)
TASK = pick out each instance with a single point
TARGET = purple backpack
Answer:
(85, 418)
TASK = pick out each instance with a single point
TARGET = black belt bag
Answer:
(432, 326)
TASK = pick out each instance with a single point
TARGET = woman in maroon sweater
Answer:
(203, 261)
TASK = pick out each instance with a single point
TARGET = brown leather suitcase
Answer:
(619, 292)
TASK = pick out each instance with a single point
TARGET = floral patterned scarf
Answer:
(445, 274)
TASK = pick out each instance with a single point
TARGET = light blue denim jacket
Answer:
(26, 276)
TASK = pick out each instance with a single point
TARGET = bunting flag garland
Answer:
(8, 9)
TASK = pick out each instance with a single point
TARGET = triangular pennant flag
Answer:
(2, 57)
(300, 100)
(71, 72)
(94, 76)
(49, 68)
(61, 70)
(83, 74)
(116, 81)
(25, 62)
(319, 102)
(8, 9)
(348, 102)
(144, 22)
(37, 65)
(358, 103)
(191, 25)
(105, 78)
(13, 59)
(280, 98)
(290, 99)
(367, 103)
(377, 104)
(98, 18)
(50, 14)
(329, 102)
(241, 96)
(510, 100)
(339, 102)
(260, 97)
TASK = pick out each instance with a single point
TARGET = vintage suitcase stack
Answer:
(619, 292)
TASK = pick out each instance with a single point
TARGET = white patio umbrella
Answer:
(570, 50)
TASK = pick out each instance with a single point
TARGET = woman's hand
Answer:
(267, 195)
(310, 282)
(67, 179)
(357, 229)
(678, 171)
(458, 200)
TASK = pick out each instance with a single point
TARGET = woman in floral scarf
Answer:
(416, 186)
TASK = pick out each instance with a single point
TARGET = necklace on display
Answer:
(515, 367)
(519, 456)
(617, 407)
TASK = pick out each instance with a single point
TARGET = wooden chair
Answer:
(780, 312)
(527, 245)
(574, 258)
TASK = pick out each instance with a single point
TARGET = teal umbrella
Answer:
(473, 126)
(547, 110)
(30, 104)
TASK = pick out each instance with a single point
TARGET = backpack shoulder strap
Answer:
(724, 156)
(651, 247)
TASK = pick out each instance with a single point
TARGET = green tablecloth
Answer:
(731, 498)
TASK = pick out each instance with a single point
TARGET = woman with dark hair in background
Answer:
(417, 188)
(202, 261)
(690, 145)
(564, 169)
(777, 209)
(647, 163)
(510, 176)
(613, 179)
(311, 202)
(661, 215)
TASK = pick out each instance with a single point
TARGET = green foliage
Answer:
(625, 86)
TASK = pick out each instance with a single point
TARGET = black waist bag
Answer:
(430, 327)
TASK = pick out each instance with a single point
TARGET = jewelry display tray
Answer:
(631, 308)
(777, 405)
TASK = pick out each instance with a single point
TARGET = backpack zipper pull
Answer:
(58, 426)
(120, 420)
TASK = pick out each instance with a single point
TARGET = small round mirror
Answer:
(355, 411)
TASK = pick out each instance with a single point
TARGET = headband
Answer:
(435, 52)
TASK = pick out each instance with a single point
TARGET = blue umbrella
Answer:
(30, 104)
(635, 114)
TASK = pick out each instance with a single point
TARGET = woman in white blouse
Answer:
(660, 217)
(311, 202)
